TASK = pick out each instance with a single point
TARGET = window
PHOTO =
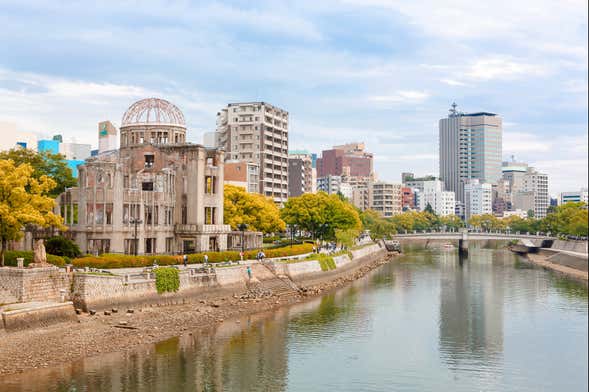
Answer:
(210, 183)
(147, 186)
(170, 245)
(209, 215)
(150, 245)
(149, 160)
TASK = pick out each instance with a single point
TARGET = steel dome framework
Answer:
(153, 121)
(153, 111)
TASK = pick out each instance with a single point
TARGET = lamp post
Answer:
(292, 229)
(135, 221)
(242, 227)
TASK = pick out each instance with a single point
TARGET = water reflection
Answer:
(426, 322)
(471, 310)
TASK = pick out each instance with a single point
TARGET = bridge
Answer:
(464, 236)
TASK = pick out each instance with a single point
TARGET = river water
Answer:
(426, 322)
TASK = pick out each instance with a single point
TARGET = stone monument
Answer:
(39, 255)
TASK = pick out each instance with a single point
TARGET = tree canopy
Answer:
(44, 164)
(320, 214)
(257, 211)
(24, 199)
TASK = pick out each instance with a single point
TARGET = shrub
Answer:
(126, 261)
(167, 279)
(62, 246)
(325, 262)
(11, 255)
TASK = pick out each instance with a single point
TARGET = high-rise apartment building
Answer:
(524, 188)
(300, 173)
(385, 198)
(442, 202)
(470, 148)
(346, 160)
(408, 198)
(478, 198)
(257, 132)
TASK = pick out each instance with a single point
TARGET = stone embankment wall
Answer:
(99, 291)
(34, 284)
(571, 246)
(309, 272)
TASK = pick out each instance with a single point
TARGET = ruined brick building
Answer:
(155, 194)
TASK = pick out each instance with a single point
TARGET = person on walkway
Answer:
(206, 259)
(262, 255)
(249, 272)
(241, 256)
(185, 260)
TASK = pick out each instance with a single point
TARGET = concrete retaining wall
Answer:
(39, 316)
(33, 284)
(568, 260)
(572, 246)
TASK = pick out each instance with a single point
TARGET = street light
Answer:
(292, 229)
(242, 227)
(135, 222)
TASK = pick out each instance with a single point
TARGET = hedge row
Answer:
(126, 261)
(11, 255)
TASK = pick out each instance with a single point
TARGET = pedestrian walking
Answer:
(206, 258)
(241, 256)
(185, 260)
(249, 272)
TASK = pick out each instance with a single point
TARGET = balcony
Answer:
(201, 229)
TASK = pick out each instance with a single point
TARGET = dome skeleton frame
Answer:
(153, 111)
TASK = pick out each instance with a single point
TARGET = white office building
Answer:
(442, 202)
(478, 198)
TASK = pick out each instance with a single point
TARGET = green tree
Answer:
(23, 200)
(378, 226)
(487, 222)
(451, 222)
(258, 212)
(569, 218)
(44, 164)
(428, 208)
(320, 214)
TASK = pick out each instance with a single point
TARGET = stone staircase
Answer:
(279, 286)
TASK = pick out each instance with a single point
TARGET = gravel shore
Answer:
(120, 331)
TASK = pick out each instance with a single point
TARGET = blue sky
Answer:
(378, 71)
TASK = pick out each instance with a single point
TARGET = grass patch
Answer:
(167, 279)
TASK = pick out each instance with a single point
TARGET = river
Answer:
(425, 322)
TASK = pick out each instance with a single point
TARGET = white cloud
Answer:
(401, 97)
(520, 142)
(502, 68)
(452, 82)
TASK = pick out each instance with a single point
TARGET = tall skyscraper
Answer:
(470, 148)
(257, 132)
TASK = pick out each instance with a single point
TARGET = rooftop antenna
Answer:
(453, 111)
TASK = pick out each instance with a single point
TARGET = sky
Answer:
(382, 72)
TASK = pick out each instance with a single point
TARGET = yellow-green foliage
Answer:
(167, 279)
(326, 262)
(23, 200)
(11, 256)
(127, 261)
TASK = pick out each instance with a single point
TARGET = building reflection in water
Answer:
(471, 310)
(246, 354)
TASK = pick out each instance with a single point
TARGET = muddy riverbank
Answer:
(92, 335)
